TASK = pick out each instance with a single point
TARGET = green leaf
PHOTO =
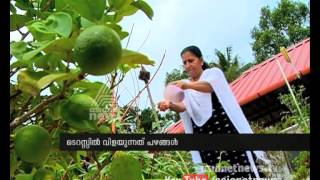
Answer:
(124, 68)
(91, 10)
(44, 81)
(41, 32)
(60, 45)
(109, 18)
(20, 64)
(86, 23)
(17, 49)
(23, 4)
(27, 81)
(39, 14)
(118, 30)
(104, 129)
(126, 11)
(131, 58)
(33, 53)
(119, 4)
(60, 5)
(17, 21)
(79, 154)
(124, 166)
(54, 88)
(49, 61)
(54, 110)
(13, 9)
(92, 89)
(143, 6)
(59, 22)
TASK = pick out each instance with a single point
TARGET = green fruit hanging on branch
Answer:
(124, 166)
(24, 177)
(98, 50)
(32, 144)
(43, 174)
(80, 112)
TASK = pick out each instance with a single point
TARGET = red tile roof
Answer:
(266, 77)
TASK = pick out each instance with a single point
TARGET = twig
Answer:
(129, 36)
(145, 40)
(137, 81)
(23, 35)
(46, 86)
(40, 107)
(25, 106)
(66, 173)
(37, 114)
(94, 157)
(134, 86)
(113, 79)
(151, 100)
(133, 100)
(18, 29)
(16, 94)
(116, 84)
(47, 5)
(14, 71)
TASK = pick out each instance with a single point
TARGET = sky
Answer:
(176, 24)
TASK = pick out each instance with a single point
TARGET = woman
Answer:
(210, 107)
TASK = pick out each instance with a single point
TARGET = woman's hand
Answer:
(164, 105)
(181, 84)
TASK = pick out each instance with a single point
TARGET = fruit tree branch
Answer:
(40, 107)
(139, 93)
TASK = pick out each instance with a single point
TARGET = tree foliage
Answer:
(46, 82)
(228, 64)
(284, 25)
(176, 74)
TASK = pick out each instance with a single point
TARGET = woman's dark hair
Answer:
(197, 52)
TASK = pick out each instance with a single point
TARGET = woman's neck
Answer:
(197, 77)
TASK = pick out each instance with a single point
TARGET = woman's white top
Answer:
(199, 108)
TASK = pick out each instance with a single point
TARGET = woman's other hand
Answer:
(164, 105)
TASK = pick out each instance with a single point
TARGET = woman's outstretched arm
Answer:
(201, 86)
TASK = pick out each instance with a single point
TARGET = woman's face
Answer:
(192, 65)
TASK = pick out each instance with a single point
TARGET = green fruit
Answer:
(76, 112)
(32, 144)
(124, 166)
(43, 174)
(98, 50)
(24, 177)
